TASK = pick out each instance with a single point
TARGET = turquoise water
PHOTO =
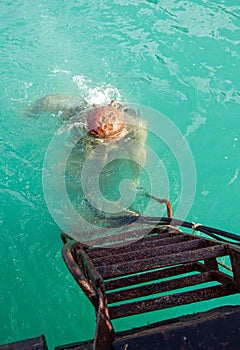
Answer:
(180, 58)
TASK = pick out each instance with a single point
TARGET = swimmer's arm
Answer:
(137, 147)
(60, 105)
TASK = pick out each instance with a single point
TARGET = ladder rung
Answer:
(131, 267)
(160, 287)
(168, 301)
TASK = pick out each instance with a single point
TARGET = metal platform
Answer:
(38, 343)
(214, 329)
(166, 268)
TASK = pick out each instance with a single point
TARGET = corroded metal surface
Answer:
(38, 343)
(160, 261)
(160, 287)
(127, 280)
(214, 329)
(168, 301)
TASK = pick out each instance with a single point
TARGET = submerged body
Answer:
(105, 164)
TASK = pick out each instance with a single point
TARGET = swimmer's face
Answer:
(105, 122)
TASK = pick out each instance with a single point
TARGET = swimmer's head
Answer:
(105, 122)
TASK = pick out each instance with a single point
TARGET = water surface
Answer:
(180, 58)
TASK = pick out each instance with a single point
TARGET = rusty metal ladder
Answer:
(117, 280)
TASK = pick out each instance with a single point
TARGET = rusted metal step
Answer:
(134, 266)
(152, 251)
(147, 276)
(164, 269)
(150, 240)
(171, 300)
(160, 287)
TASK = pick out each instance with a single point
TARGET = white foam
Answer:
(57, 70)
(102, 94)
(197, 121)
(234, 178)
